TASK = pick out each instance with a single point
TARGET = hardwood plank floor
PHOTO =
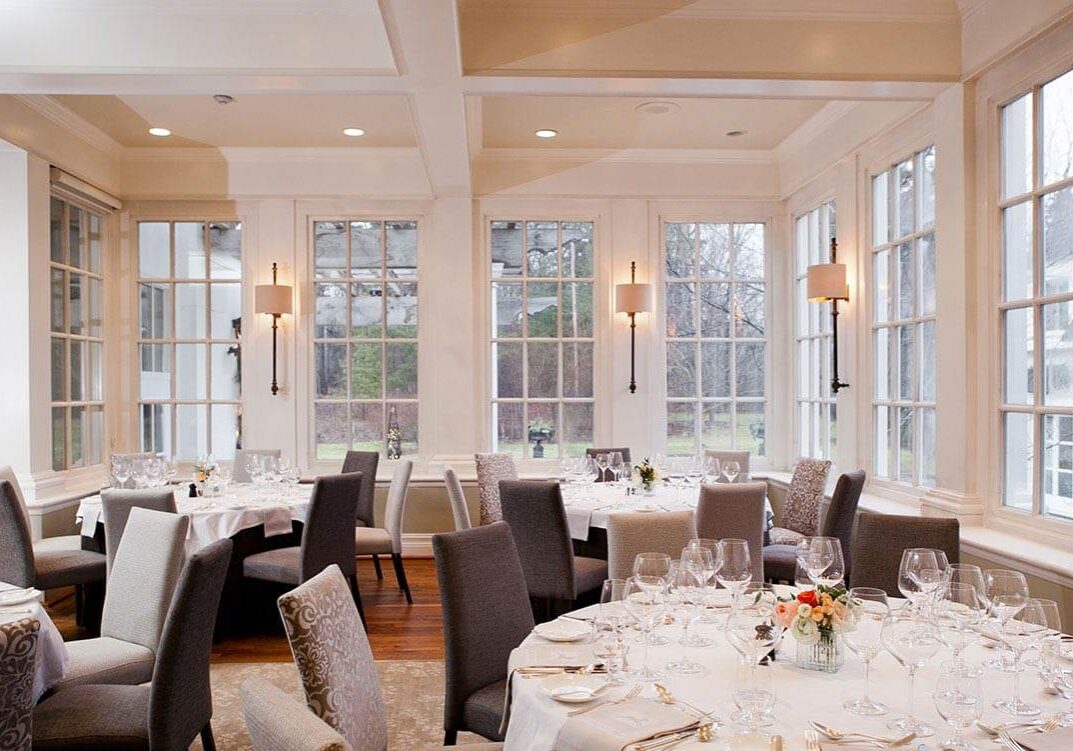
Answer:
(397, 631)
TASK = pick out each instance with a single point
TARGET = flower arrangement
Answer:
(203, 470)
(647, 475)
(814, 615)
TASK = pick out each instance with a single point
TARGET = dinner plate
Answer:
(644, 509)
(571, 688)
(563, 630)
(19, 596)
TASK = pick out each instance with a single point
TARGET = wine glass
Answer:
(866, 609)
(1021, 633)
(731, 469)
(223, 477)
(616, 465)
(958, 612)
(712, 470)
(737, 568)
(1057, 671)
(652, 565)
(1011, 588)
(646, 601)
(752, 628)
(254, 467)
(911, 639)
(754, 696)
(610, 619)
(700, 561)
(958, 700)
(824, 562)
(694, 472)
(120, 470)
(1052, 638)
(139, 473)
(920, 573)
(686, 593)
(713, 563)
(968, 573)
(603, 461)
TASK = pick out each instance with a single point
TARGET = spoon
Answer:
(836, 735)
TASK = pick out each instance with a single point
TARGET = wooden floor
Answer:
(397, 631)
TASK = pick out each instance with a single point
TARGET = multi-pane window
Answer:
(817, 409)
(76, 289)
(903, 328)
(190, 326)
(365, 337)
(1036, 210)
(714, 282)
(542, 337)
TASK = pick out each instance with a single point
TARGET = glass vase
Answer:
(826, 655)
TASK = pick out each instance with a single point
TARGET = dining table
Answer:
(52, 656)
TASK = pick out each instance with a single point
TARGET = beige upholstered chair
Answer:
(801, 514)
(741, 457)
(735, 511)
(144, 575)
(457, 497)
(378, 541)
(116, 505)
(629, 534)
(279, 722)
(18, 655)
(239, 472)
(491, 470)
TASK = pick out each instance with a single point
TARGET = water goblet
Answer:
(731, 470)
(754, 696)
(824, 562)
(120, 470)
(685, 596)
(1020, 633)
(1006, 593)
(652, 566)
(737, 568)
(866, 610)
(139, 472)
(911, 639)
(646, 600)
(958, 701)
(919, 575)
(958, 613)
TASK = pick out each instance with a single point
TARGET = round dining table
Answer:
(535, 719)
(52, 657)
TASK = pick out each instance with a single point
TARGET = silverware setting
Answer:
(669, 738)
(664, 694)
(633, 693)
(1030, 726)
(855, 737)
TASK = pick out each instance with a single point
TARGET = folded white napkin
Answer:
(277, 520)
(617, 726)
(1057, 740)
(579, 520)
(90, 516)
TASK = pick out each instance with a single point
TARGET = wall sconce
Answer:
(827, 283)
(274, 300)
(631, 299)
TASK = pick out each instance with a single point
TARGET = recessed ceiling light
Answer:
(223, 98)
(657, 107)
(353, 132)
(161, 132)
(736, 133)
(546, 133)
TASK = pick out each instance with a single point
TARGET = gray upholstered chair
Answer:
(376, 541)
(882, 538)
(736, 511)
(608, 476)
(327, 538)
(18, 655)
(277, 721)
(457, 497)
(144, 576)
(365, 462)
(239, 470)
(801, 513)
(486, 615)
(176, 706)
(631, 533)
(537, 519)
(836, 520)
(741, 457)
(116, 504)
(491, 470)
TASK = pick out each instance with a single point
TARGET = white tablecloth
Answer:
(52, 657)
(211, 519)
(802, 695)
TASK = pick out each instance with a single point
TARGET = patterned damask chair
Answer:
(801, 513)
(18, 655)
(491, 470)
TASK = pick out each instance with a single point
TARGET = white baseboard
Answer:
(417, 544)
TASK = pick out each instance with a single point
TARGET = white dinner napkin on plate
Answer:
(1057, 740)
(617, 726)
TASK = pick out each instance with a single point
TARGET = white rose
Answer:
(806, 631)
(804, 611)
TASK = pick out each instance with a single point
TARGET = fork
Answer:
(812, 740)
(633, 693)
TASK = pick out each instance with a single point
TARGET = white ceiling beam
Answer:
(164, 83)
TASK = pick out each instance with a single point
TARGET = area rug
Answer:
(413, 693)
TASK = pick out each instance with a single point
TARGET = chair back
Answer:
(491, 470)
(841, 514)
(486, 612)
(457, 497)
(629, 534)
(116, 504)
(735, 510)
(607, 475)
(239, 471)
(180, 695)
(534, 510)
(741, 457)
(18, 660)
(802, 510)
(8, 473)
(335, 663)
(16, 544)
(328, 536)
(395, 510)
(276, 721)
(882, 538)
(365, 462)
(146, 570)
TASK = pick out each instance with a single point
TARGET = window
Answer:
(365, 337)
(190, 326)
(714, 279)
(542, 337)
(817, 409)
(76, 289)
(1036, 308)
(903, 328)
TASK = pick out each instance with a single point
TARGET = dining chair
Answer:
(327, 538)
(277, 721)
(491, 470)
(555, 578)
(175, 707)
(145, 572)
(18, 660)
(882, 538)
(836, 519)
(486, 615)
(457, 497)
(801, 512)
(116, 505)
(239, 471)
(607, 475)
(377, 541)
(736, 511)
(367, 463)
(741, 457)
(631, 533)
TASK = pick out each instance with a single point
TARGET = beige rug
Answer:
(413, 692)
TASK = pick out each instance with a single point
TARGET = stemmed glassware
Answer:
(139, 473)
(1057, 671)
(737, 568)
(958, 613)
(711, 468)
(754, 695)
(713, 562)
(616, 465)
(1007, 592)
(920, 574)
(646, 601)
(699, 560)
(1020, 633)
(603, 461)
(686, 592)
(911, 639)
(866, 610)
(611, 617)
(824, 562)
(120, 470)
(958, 700)
(255, 467)
(731, 470)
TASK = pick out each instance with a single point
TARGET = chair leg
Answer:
(208, 743)
(400, 574)
(376, 565)
(450, 737)
(356, 593)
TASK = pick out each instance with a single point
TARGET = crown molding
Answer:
(268, 154)
(968, 7)
(633, 156)
(72, 123)
(195, 7)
